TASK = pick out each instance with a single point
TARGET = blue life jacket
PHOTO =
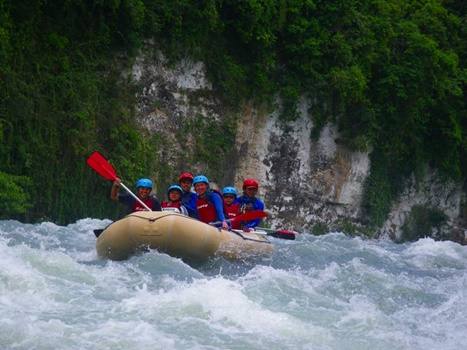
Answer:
(189, 202)
(250, 204)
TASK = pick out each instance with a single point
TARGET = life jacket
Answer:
(149, 201)
(248, 203)
(188, 197)
(180, 208)
(232, 211)
(171, 204)
(189, 202)
(206, 209)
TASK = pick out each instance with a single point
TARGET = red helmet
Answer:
(185, 175)
(250, 183)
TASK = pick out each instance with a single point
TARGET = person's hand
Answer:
(247, 229)
(225, 225)
(114, 190)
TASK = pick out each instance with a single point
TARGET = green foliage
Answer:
(319, 229)
(348, 227)
(14, 196)
(62, 97)
(421, 221)
(213, 146)
(352, 229)
(380, 189)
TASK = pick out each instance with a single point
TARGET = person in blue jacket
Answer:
(188, 198)
(249, 202)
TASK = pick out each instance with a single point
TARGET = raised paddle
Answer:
(102, 166)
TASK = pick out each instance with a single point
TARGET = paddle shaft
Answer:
(273, 230)
(282, 234)
(135, 197)
(266, 229)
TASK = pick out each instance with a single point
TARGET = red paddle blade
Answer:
(284, 234)
(250, 215)
(101, 166)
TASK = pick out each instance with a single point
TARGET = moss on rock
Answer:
(421, 222)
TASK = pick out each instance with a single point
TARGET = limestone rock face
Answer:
(172, 99)
(432, 192)
(303, 181)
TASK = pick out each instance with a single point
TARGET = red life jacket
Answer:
(138, 207)
(206, 210)
(171, 204)
(232, 211)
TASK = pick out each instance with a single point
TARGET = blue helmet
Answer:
(174, 187)
(229, 190)
(200, 178)
(145, 183)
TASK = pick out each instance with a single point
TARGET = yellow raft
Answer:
(176, 235)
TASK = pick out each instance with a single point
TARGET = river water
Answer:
(326, 292)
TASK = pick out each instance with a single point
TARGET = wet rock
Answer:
(306, 183)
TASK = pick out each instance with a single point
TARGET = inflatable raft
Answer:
(176, 235)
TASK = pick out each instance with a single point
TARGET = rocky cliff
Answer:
(310, 184)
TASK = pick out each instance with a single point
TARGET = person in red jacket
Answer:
(174, 195)
(231, 206)
(209, 203)
(143, 188)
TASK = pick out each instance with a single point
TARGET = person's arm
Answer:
(115, 189)
(219, 205)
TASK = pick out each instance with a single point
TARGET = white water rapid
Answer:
(326, 292)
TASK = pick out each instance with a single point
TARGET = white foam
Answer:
(427, 253)
(327, 292)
